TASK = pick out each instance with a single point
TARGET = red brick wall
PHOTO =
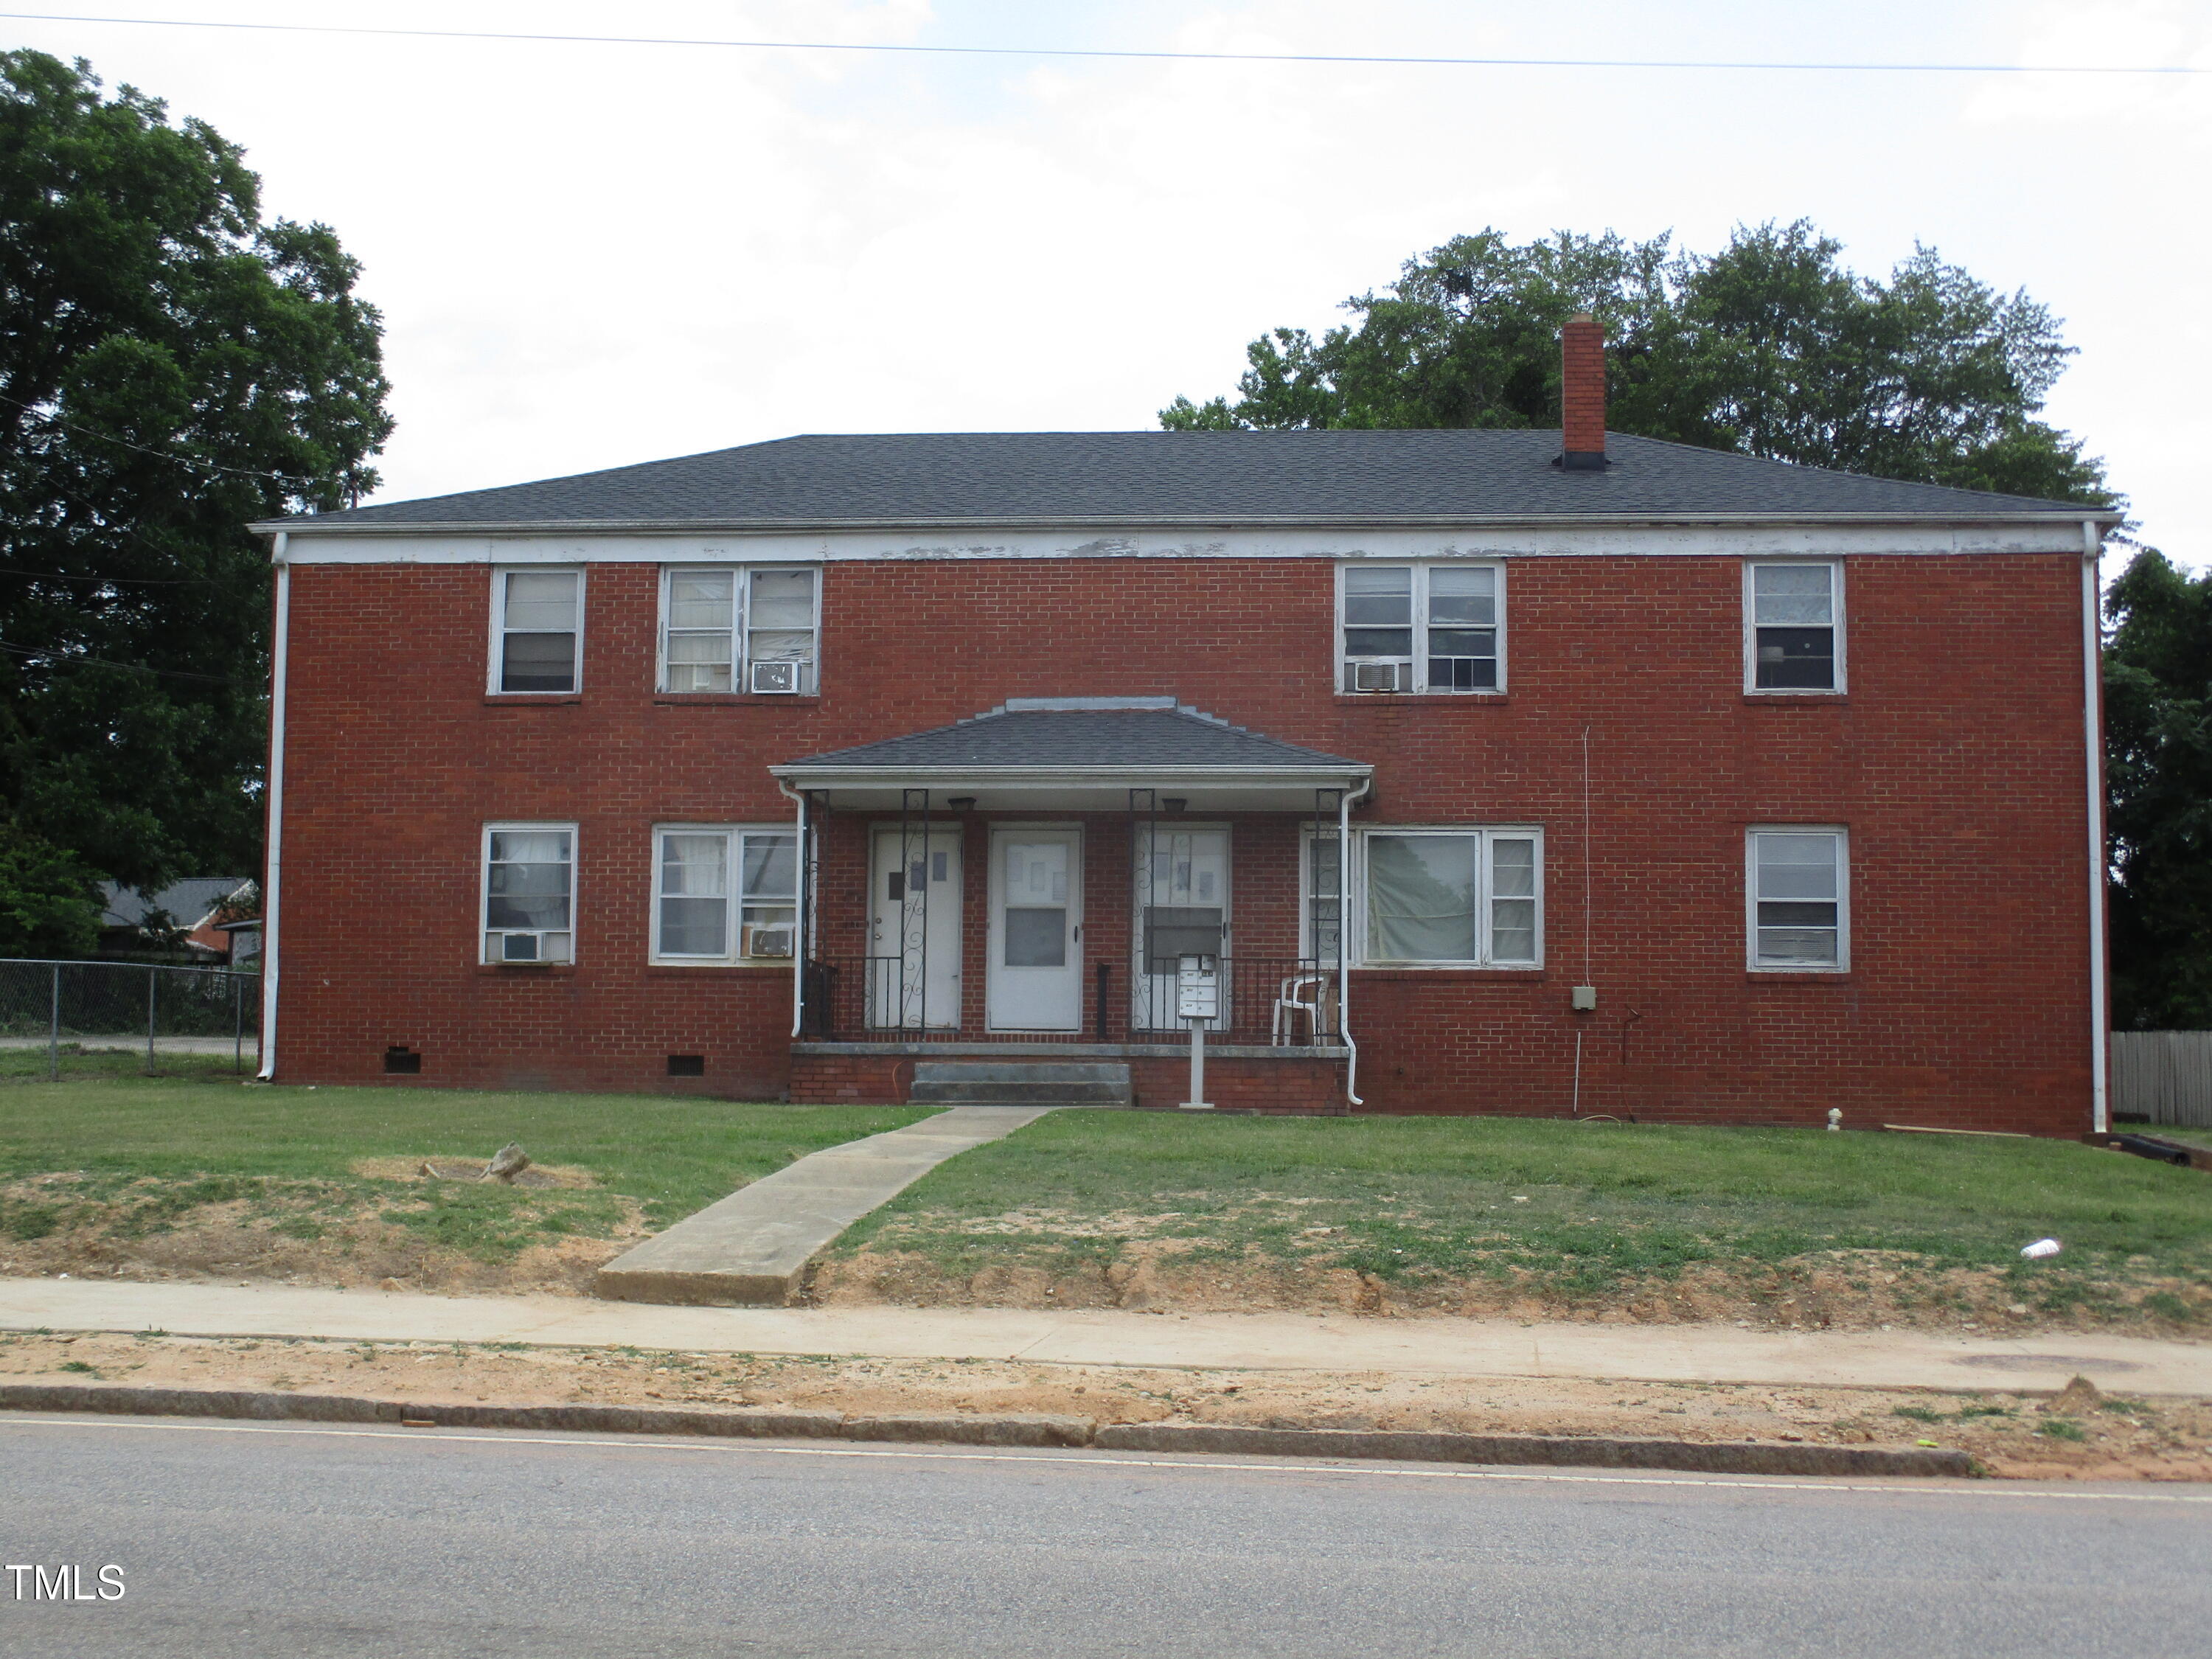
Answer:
(1955, 760)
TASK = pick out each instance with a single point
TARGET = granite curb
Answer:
(1041, 1430)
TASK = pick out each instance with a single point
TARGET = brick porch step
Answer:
(1021, 1083)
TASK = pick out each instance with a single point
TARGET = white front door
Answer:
(1036, 931)
(913, 933)
(1187, 883)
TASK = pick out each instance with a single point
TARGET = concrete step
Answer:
(1020, 1083)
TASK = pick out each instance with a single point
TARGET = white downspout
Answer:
(279, 655)
(798, 931)
(1344, 937)
(2093, 743)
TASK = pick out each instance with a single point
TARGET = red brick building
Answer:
(1674, 783)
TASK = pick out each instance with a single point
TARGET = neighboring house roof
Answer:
(1154, 477)
(1132, 734)
(187, 903)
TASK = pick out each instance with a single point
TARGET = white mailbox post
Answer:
(1198, 1000)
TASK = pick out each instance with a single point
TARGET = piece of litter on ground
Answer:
(1520, 1198)
(2042, 1248)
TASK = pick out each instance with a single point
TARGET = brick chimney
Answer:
(1582, 394)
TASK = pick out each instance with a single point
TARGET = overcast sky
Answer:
(588, 255)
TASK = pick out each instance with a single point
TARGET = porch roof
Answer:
(1086, 752)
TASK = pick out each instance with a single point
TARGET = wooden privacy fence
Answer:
(2165, 1076)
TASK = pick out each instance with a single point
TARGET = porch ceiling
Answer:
(1080, 754)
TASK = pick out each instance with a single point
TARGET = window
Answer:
(537, 629)
(739, 631)
(529, 892)
(1465, 898)
(1421, 627)
(1793, 632)
(722, 895)
(1799, 900)
(1318, 936)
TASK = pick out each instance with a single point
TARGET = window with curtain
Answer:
(699, 646)
(529, 892)
(724, 895)
(717, 622)
(539, 629)
(1465, 898)
(1794, 626)
(1800, 913)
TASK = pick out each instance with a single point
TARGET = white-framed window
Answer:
(1457, 898)
(739, 628)
(1797, 898)
(537, 629)
(1793, 627)
(1422, 627)
(1320, 895)
(529, 892)
(724, 894)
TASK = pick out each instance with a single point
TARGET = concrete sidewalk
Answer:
(750, 1249)
(1261, 1342)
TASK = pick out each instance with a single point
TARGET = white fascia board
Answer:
(1550, 539)
(804, 776)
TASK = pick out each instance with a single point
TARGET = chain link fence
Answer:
(61, 1017)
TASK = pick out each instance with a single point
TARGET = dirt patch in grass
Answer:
(448, 1169)
(2076, 1436)
(1107, 1264)
(396, 1233)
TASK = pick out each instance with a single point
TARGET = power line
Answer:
(160, 454)
(67, 659)
(111, 582)
(1129, 55)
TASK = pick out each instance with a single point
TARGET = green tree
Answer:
(170, 367)
(1770, 347)
(2158, 749)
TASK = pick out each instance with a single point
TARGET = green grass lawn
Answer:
(177, 1142)
(1581, 1206)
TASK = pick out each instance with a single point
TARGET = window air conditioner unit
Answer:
(1381, 675)
(779, 676)
(519, 947)
(769, 941)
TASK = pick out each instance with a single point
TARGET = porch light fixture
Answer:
(960, 803)
(1175, 802)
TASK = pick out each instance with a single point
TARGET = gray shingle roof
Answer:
(185, 902)
(1169, 737)
(982, 477)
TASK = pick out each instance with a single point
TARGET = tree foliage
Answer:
(2158, 746)
(170, 367)
(1770, 347)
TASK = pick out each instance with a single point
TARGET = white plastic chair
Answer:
(1300, 995)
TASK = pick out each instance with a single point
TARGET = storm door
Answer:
(1036, 973)
(914, 932)
(1181, 902)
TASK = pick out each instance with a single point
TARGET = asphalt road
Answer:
(239, 1540)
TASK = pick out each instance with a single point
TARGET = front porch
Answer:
(1026, 886)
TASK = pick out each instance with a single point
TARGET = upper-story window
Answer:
(1793, 627)
(538, 630)
(1421, 627)
(736, 630)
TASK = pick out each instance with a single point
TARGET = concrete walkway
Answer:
(1269, 1341)
(749, 1248)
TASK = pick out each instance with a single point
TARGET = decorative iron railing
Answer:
(1261, 1001)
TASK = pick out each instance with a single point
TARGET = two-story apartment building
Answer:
(1499, 773)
